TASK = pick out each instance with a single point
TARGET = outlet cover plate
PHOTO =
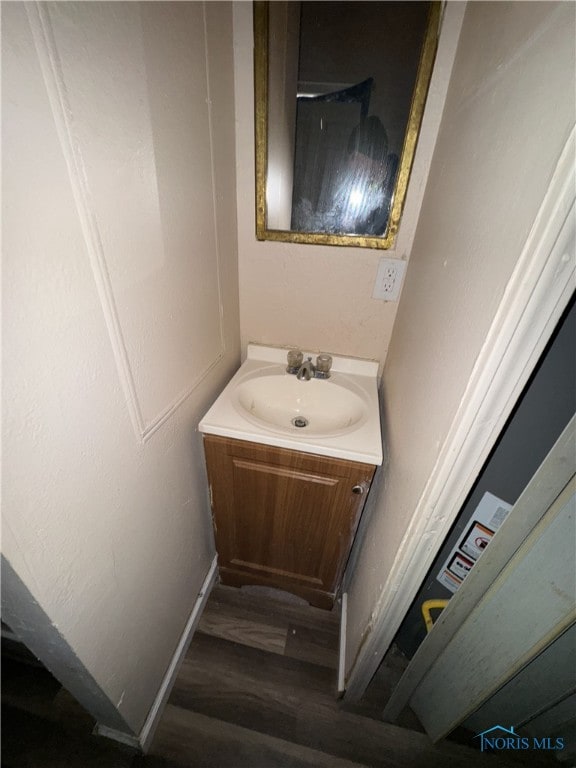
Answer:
(389, 279)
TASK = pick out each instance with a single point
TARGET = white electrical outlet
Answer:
(389, 279)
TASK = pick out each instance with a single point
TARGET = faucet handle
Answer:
(323, 365)
(294, 359)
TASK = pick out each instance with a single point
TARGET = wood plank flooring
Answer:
(257, 690)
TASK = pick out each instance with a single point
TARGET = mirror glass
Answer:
(340, 89)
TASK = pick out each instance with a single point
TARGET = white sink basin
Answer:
(315, 407)
(337, 417)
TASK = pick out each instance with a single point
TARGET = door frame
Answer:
(538, 292)
(550, 481)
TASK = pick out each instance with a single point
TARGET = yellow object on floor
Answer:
(429, 605)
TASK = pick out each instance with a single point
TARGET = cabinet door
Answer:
(284, 518)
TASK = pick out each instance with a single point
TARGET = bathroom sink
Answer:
(337, 417)
(315, 407)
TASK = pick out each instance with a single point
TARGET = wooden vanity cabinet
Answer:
(283, 518)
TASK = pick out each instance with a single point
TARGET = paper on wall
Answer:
(485, 521)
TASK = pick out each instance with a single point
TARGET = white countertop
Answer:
(363, 443)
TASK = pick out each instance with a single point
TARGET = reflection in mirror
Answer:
(340, 90)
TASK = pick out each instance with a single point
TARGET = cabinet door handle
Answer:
(358, 489)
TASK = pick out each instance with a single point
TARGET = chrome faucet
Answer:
(306, 370)
(323, 365)
(294, 359)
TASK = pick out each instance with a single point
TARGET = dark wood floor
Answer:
(256, 690)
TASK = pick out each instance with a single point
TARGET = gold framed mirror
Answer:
(340, 89)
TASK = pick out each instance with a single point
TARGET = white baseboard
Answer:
(143, 740)
(342, 648)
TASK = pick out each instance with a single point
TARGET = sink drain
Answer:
(300, 421)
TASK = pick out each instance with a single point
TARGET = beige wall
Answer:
(508, 114)
(121, 319)
(122, 305)
(310, 296)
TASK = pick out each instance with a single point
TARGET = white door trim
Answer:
(548, 482)
(500, 637)
(537, 293)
